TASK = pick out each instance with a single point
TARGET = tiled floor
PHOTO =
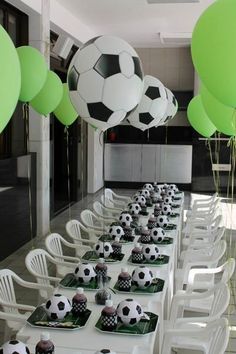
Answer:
(16, 260)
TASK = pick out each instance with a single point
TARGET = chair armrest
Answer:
(31, 285)
(18, 306)
(193, 272)
(8, 316)
(49, 278)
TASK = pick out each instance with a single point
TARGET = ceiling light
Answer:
(176, 38)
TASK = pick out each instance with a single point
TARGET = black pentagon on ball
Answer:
(159, 239)
(97, 247)
(153, 92)
(152, 258)
(138, 67)
(123, 223)
(150, 272)
(133, 321)
(99, 111)
(73, 78)
(81, 280)
(110, 230)
(145, 118)
(61, 305)
(15, 352)
(141, 275)
(48, 304)
(13, 342)
(105, 351)
(147, 283)
(57, 295)
(107, 65)
(129, 300)
(138, 309)
(127, 218)
(161, 219)
(118, 231)
(126, 311)
(155, 233)
(106, 248)
(54, 316)
(147, 250)
(174, 101)
(27, 350)
(1, 351)
(135, 283)
(76, 270)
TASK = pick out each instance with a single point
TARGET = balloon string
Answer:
(25, 109)
(213, 171)
(66, 131)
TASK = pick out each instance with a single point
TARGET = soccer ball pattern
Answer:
(57, 307)
(129, 312)
(166, 209)
(145, 193)
(105, 351)
(172, 107)
(142, 277)
(85, 273)
(116, 231)
(149, 187)
(105, 80)
(173, 187)
(14, 347)
(150, 252)
(157, 234)
(168, 200)
(153, 105)
(125, 219)
(162, 221)
(134, 208)
(170, 193)
(141, 200)
(103, 249)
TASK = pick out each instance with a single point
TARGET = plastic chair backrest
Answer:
(107, 202)
(218, 251)
(220, 301)
(73, 229)
(36, 263)
(53, 244)
(97, 206)
(109, 194)
(87, 217)
(220, 336)
(227, 270)
(7, 291)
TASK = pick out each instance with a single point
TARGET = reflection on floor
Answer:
(16, 260)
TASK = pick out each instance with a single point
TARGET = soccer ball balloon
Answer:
(129, 312)
(134, 208)
(162, 221)
(153, 105)
(172, 108)
(145, 193)
(150, 252)
(149, 187)
(166, 209)
(125, 219)
(85, 273)
(142, 277)
(168, 200)
(14, 347)
(157, 234)
(103, 249)
(141, 200)
(170, 193)
(116, 231)
(57, 307)
(105, 80)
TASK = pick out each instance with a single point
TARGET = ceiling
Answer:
(137, 21)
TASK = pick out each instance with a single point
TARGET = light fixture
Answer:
(176, 38)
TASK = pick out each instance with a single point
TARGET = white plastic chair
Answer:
(210, 338)
(117, 199)
(209, 224)
(54, 245)
(110, 205)
(80, 234)
(94, 222)
(104, 212)
(37, 262)
(204, 201)
(14, 318)
(218, 298)
(200, 208)
(200, 239)
(200, 260)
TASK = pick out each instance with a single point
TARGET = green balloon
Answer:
(199, 119)
(50, 95)
(10, 78)
(65, 111)
(33, 72)
(221, 116)
(214, 50)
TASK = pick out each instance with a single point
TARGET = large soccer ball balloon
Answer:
(142, 277)
(150, 252)
(172, 108)
(162, 221)
(14, 347)
(105, 81)
(57, 307)
(103, 249)
(85, 273)
(129, 312)
(116, 231)
(125, 219)
(141, 200)
(149, 187)
(134, 208)
(153, 105)
(166, 209)
(157, 234)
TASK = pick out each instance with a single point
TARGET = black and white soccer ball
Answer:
(103, 249)
(141, 200)
(172, 107)
(157, 234)
(85, 273)
(166, 209)
(14, 347)
(142, 277)
(162, 221)
(129, 312)
(170, 193)
(168, 200)
(153, 105)
(134, 208)
(125, 219)
(57, 307)
(105, 80)
(150, 252)
(116, 231)
(173, 187)
(149, 187)
(145, 193)
(105, 351)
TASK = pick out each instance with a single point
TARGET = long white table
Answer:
(88, 339)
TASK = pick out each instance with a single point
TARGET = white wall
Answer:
(95, 160)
